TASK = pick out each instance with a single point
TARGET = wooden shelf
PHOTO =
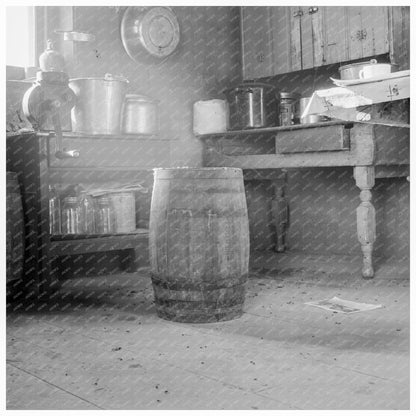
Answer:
(67, 245)
(75, 135)
(267, 130)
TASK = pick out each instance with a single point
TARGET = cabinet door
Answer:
(257, 42)
(278, 40)
(367, 31)
(312, 37)
(271, 41)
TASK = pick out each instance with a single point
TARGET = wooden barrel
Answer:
(14, 229)
(199, 243)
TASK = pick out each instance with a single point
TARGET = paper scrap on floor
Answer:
(344, 306)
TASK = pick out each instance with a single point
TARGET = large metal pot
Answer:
(98, 105)
(252, 105)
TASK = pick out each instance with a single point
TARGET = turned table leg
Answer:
(366, 217)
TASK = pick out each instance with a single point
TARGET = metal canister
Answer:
(252, 105)
(139, 115)
(124, 206)
(287, 108)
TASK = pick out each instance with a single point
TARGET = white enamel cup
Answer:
(374, 71)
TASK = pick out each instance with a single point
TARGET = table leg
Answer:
(366, 217)
(280, 212)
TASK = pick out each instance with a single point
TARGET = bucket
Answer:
(124, 208)
(14, 229)
(199, 244)
(98, 105)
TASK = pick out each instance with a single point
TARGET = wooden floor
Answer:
(101, 345)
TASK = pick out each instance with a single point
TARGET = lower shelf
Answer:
(67, 245)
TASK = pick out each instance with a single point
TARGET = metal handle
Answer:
(60, 152)
(298, 13)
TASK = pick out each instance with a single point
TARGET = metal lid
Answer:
(71, 200)
(292, 95)
(140, 97)
(106, 77)
(249, 85)
(372, 62)
(103, 200)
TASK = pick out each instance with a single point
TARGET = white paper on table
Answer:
(343, 306)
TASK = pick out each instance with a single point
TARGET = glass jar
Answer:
(87, 214)
(54, 212)
(70, 216)
(104, 219)
(287, 108)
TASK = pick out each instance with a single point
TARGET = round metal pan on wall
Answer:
(148, 32)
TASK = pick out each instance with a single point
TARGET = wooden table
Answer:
(372, 150)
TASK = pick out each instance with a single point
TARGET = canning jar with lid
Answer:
(287, 108)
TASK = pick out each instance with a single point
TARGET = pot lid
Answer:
(140, 97)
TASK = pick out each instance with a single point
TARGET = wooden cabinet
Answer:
(103, 159)
(277, 40)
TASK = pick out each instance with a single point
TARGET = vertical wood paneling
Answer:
(295, 40)
(336, 35)
(354, 27)
(307, 41)
(280, 22)
(257, 37)
(318, 38)
(375, 26)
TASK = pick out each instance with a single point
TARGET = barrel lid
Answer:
(198, 173)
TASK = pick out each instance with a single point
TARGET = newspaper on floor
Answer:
(343, 306)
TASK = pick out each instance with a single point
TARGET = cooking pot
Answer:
(252, 105)
(311, 118)
(139, 115)
(352, 71)
(98, 104)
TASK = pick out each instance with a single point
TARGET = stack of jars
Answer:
(80, 215)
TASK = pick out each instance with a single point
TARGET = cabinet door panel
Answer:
(281, 33)
(306, 38)
(375, 29)
(354, 33)
(335, 34)
(258, 55)
(295, 15)
(111, 153)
